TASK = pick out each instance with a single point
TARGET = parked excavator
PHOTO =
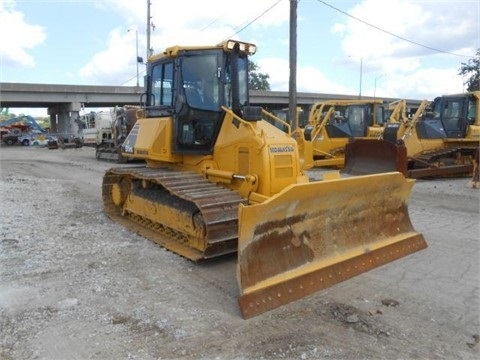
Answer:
(440, 140)
(218, 179)
(26, 120)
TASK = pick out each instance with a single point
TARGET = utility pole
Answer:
(136, 47)
(148, 29)
(292, 86)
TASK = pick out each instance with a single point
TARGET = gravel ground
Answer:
(74, 285)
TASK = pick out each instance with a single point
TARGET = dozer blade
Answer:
(373, 156)
(311, 236)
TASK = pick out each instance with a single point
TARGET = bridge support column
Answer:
(64, 119)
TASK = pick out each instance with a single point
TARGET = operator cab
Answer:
(350, 121)
(450, 118)
(359, 117)
(192, 84)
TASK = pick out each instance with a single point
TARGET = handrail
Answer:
(246, 123)
(277, 119)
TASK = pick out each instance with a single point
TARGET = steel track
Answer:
(213, 205)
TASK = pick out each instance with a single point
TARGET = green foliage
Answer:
(257, 80)
(7, 115)
(44, 122)
(471, 69)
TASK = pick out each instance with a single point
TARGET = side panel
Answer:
(151, 139)
(258, 148)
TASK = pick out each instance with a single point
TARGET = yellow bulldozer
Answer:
(218, 179)
(333, 123)
(440, 140)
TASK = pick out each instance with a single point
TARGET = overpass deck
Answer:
(25, 95)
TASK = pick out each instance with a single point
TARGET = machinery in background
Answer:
(64, 141)
(440, 140)
(88, 127)
(19, 130)
(25, 120)
(16, 135)
(333, 123)
(218, 179)
(107, 130)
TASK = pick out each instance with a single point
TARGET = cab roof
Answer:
(227, 46)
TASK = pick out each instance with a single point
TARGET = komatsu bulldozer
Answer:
(218, 179)
(440, 140)
(331, 124)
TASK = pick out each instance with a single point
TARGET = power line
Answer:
(258, 17)
(243, 28)
(392, 34)
(122, 84)
(213, 22)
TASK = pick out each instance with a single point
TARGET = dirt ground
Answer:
(75, 285)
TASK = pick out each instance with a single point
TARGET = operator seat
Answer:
(194, 98)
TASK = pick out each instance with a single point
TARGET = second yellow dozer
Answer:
(333, 123)
(218, 179)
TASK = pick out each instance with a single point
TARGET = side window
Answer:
(452, 122)
(167, 85)
(452, 109)
(243, 80)
(162, 84)
(472, 110)
(242, 65)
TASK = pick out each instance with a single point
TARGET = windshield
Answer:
(201, 82)
(356, 118)
(449, 112)
(204, 79)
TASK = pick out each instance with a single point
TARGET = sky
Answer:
(385, 48)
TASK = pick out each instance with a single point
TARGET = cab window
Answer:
(162, 85)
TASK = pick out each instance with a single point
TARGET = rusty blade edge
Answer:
(268, 298)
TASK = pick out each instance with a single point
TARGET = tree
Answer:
(43, 121)
(472, 69)
(257, 80)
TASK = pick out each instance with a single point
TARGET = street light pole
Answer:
(361, 75)
(136, 46)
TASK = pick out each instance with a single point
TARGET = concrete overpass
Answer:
(64, 102)
(25, 95)
(48, 95)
